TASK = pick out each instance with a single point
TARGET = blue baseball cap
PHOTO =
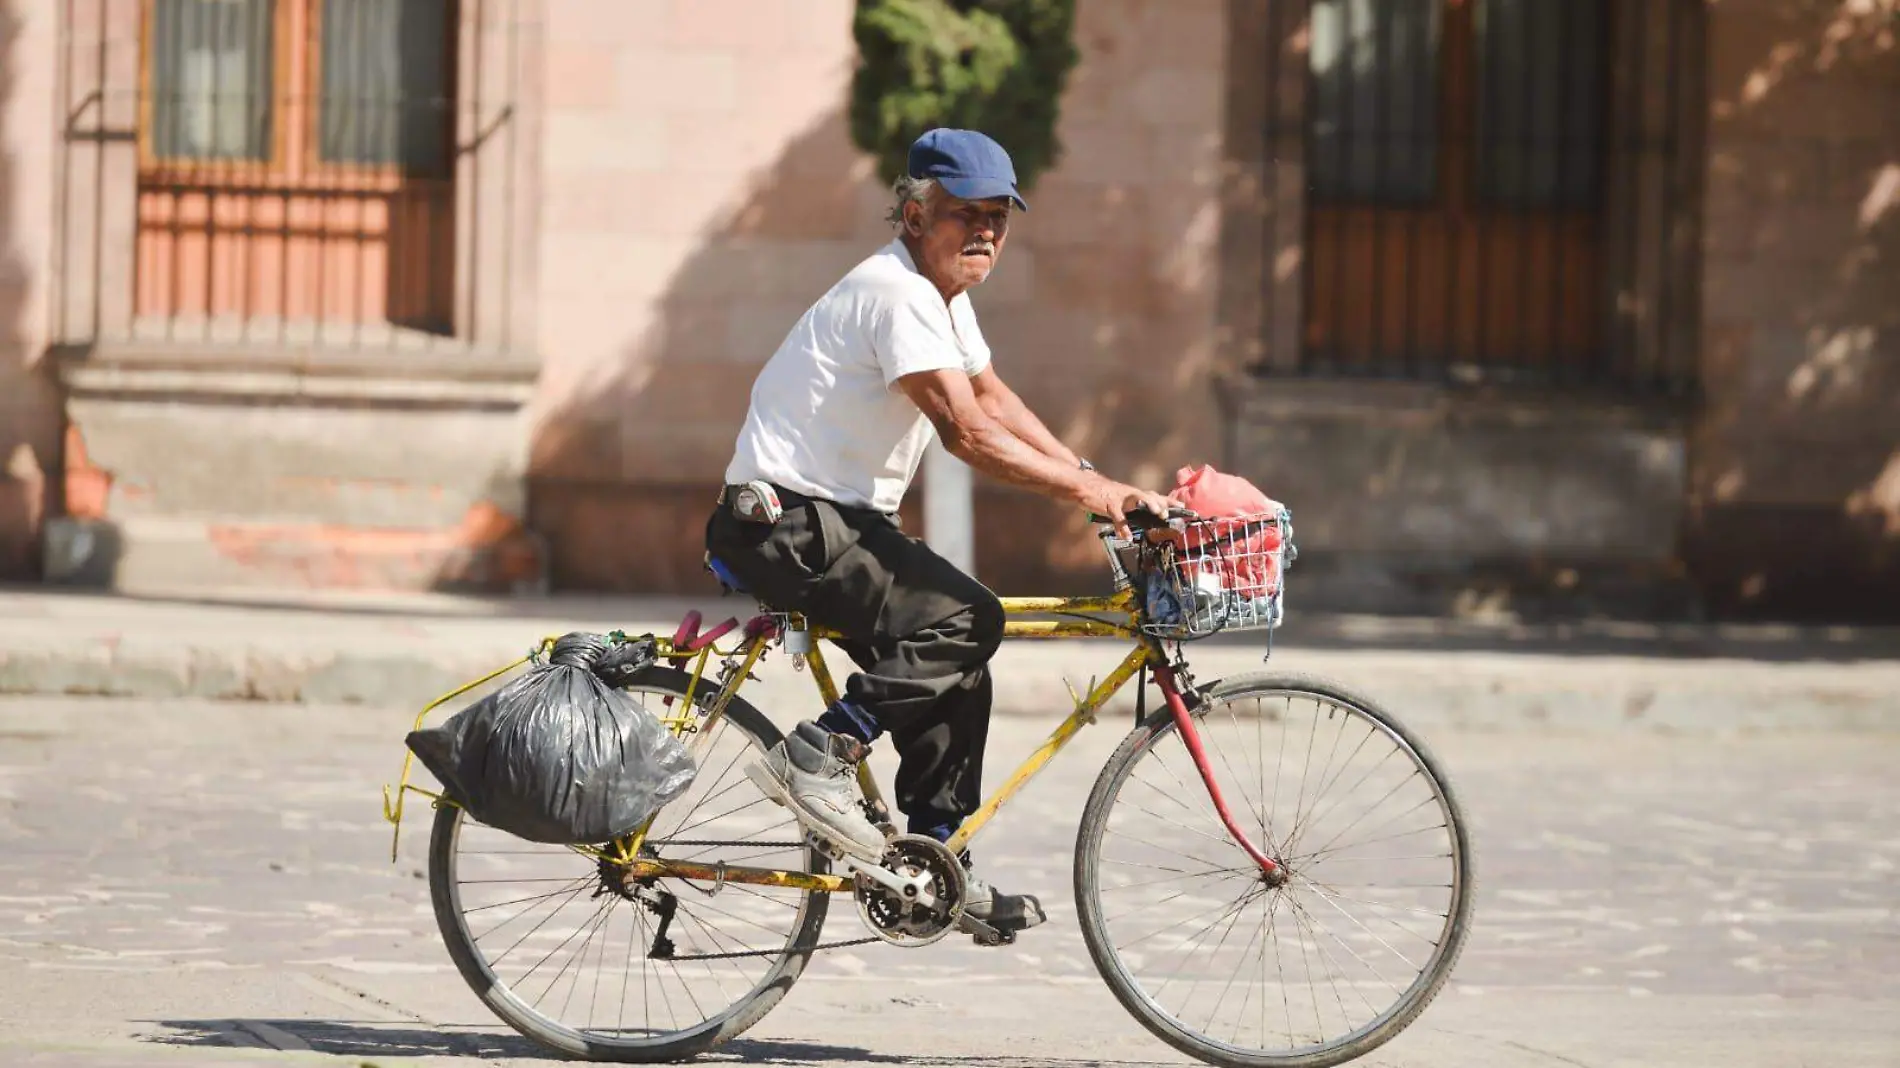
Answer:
(967, 164)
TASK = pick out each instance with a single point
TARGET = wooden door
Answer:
(1455, 156)
(296, 162)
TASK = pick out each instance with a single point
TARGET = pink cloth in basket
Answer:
(1244, 546)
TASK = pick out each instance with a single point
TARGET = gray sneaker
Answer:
(814, 773)
(1005, 913)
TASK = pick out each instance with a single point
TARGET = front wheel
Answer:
(1321, 969)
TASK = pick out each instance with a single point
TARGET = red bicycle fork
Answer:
(1270, 871)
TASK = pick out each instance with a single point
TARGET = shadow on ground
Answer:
(347, 1038)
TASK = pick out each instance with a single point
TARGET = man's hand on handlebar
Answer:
(1116, 502)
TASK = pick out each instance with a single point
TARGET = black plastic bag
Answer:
(559, 755)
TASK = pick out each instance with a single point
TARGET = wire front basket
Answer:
(1199, 577)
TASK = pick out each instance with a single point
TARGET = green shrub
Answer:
(998, 66)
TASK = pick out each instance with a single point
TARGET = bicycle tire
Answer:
(740, 1016)
(1089, 905)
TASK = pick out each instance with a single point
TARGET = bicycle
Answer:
(1176, 580)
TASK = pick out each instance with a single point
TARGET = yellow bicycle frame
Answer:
(1147, 652)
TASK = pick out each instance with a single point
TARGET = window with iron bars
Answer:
(295, 166)
(1475, 206)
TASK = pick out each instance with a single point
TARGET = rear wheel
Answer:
(1321, 969)
(575, 958)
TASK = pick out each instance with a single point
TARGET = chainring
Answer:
(903, 922)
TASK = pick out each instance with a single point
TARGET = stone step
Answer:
(309, 465)
(488, 551)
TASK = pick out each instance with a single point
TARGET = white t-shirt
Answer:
(826, 419)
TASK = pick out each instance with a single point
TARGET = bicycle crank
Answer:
(915, 897)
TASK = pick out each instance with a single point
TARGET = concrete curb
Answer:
(1469, 691)
(401, 657)
(223, 675)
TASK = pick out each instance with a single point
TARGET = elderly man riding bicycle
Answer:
(839, 420)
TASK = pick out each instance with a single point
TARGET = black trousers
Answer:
(921, 632)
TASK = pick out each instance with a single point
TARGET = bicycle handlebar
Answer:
(1144, 520)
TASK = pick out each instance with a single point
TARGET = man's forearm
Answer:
(997, 450)
(1015, 416)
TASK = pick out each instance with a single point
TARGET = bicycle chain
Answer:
(774, 952)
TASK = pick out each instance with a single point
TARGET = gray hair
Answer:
(909, 190)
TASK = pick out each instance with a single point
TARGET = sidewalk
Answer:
(398, 652)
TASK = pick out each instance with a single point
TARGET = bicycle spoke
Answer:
(550, 953)
(1286, 999)
(1279, 760)
(1266, 805)
(1214, 1013)
(714, 908)
(717, 946)
(1320, 927)
(1151, 845)
(557, 911)
(1375, 805)
(600, 961)
(626, 972)
(1306, 965)
(518, 900)
(1173, 879)
(1190, 830)
(1306, 924)
(580, 954)
(729, 812)
(1231, 914)
(1371, 841)
(1326, 891)
(1380, 860)
(666, 999)
(1214, 953)
(1369, 932)
(1156, 867)
(1301, 827)
(1266, 923)
(1239, 781)
(716, 780)
(1331, 752)
(767, 898)
(576, 850)
(761, 837)
(1299, 803)
(1198, 792)
(1223, 915)
(1299, 820)
(1176, 896)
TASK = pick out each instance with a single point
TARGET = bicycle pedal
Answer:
(984, 935)
(824, 845)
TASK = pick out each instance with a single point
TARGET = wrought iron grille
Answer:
(1493, 190)
(287, 171)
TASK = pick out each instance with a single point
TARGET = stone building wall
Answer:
(1795, 488)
